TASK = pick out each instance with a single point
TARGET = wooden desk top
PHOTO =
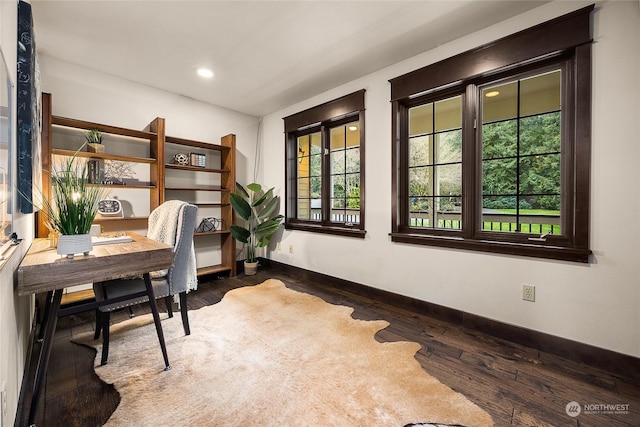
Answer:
(42, 269)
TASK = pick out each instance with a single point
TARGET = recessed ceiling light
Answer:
(204, 72)
(492, 94)
(353, 128)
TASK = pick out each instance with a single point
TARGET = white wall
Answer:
(15, 311)
(598, 303)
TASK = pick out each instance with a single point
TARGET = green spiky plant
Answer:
(93, 136)
(259, 209)
(74, 202)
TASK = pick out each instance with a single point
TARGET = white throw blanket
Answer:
(163, 227)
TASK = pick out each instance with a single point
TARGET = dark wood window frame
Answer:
(565, 41)
(322, 118)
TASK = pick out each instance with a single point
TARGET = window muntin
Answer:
(435, 164)
(520, 140)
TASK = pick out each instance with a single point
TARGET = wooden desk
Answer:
(42, 270)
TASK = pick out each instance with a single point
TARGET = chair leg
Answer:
(98, 324)
(168, 302)
(106, 317)
(183, 311)
(131, 315)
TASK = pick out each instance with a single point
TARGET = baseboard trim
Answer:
(616, 363)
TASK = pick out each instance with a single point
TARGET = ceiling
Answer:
(266, 55)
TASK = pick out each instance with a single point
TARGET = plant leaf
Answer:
(268, 227)
(256, 188)
(263, 198)
(241, 234)
(270, 208)
(240, 205)
(240, 189)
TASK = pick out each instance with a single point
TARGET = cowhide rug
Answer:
(270, 356)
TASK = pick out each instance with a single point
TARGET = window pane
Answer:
(316, 165)
(499, 139)
(352, 160)
(448, 114)
(316, 143)
(421, 120)
(449, 147)
(500, 102)
(420, 181)
(499, 177)
(337, 186)
(540, 134)
(304, 209)
(540, 94)
(316, 187)
(303, 188)
(420, 151)
(337, 162)
(447, 215)
(540, 174)
(420, 211)
(449, 180)
(337, 138)
(303, 146)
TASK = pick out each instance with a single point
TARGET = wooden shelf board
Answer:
(77, 296)
(74, 123)
(194, 168)
(195, 189)
(219, 268)
(208, 233)
(195, 144)
(136, 218)
(103, 156)
(214, 205)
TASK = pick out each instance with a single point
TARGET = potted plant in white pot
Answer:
(72, 207)
(259, 209)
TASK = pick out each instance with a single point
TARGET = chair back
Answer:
(178, 275)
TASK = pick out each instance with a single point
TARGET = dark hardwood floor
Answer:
(517, 385)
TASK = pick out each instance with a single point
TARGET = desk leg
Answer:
(44, 315)
(45, 352)
(156, 319)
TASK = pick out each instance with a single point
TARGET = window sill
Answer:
(339, 231)
(7, 253)
(519, 249)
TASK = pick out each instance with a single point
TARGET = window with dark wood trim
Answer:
(325, 167)
(491, 148)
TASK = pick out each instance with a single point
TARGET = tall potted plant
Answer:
(72, 207)
(259, 210)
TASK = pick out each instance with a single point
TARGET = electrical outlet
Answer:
(529, 293)
(279, 247)
(290, 249)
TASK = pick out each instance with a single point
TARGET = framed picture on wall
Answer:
(29, 111)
